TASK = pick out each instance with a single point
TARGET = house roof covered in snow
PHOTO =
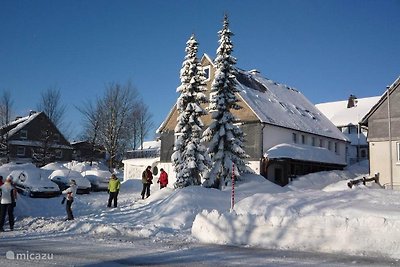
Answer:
(303, 152)
(394, 86)
(16, 125)
(283, 106)
(280, 105)
(341, 115)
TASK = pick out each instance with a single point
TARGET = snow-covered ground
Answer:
(316, 213)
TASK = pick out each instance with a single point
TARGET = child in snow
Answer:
(8, 202)
(70, 193)
(163, 180)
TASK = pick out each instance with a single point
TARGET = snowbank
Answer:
(358, 222)
(317, 212)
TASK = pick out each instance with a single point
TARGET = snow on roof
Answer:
(20, 123)
(156, 144)
(303, 152)
(280, 105)
(37, 144)
(141, 161)
(340, 115)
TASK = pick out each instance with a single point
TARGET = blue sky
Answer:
(326, 49)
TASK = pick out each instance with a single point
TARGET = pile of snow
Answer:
(85, 166)
(329, 217)
(320, 180)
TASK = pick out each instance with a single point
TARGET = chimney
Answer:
(352, 101)
(32, 112)
(18, 117)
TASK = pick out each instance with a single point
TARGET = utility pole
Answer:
(390, 139)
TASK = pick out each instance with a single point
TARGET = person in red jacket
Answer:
(163, 180)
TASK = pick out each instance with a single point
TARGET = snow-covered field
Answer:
(316, 213)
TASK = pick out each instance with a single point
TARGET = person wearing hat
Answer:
(113, 190)
(70, 193)
(7, 202)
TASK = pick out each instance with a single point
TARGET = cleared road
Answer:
(64, 250)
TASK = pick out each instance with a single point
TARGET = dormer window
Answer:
(23, 134)
(206, 70)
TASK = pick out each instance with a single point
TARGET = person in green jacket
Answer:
(113, 190)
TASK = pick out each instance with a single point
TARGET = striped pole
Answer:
(233, 187)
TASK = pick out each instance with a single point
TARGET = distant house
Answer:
(137, 160)
(85, 151)
(346, 115)
(35, 138)
(286, 135)
(383, 122)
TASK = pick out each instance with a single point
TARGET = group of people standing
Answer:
(147, 180)
(8, 194)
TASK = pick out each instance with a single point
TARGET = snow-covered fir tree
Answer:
(190, 159)
(224, 136)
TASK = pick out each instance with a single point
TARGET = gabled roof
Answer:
(395, 85)
(280, 105)
(14, 126)
(340, 115)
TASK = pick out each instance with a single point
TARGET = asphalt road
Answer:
(65, 250)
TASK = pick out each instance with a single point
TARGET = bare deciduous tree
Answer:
(116, 121)
(6, 104)
(91, 125)
(50, 103)
(143, 122)
(116, 108)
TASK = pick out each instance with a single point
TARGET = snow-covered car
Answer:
(63, 177)
(98, 179)
(31, 182)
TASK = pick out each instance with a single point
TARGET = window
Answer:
(58, 154)
(23, 134)
(329, 145)
(352, 129)
(321, 142)
(20, 151)
(363, 153)
(303, 139)
(313, 141)
(398, 151)
(206, 70)
(294, 137)
(336, 148)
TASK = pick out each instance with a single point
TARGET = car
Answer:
(63, 177)
(33, 183)
(98, 179)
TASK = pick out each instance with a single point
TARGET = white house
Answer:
(346, 115)
(137, 160)
(286, 135)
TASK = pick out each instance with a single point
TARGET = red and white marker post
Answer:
(233, 187)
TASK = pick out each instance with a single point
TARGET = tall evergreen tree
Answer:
(224, 136)
(190, 159)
